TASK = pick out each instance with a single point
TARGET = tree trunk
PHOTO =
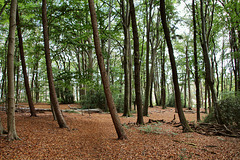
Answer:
(105, 79)
(209, 78)
(154, 53)
(136, 65)
(17, 68)
(185, 91)
(12, 134)
(28, 91)
(163, 78)
(206, 95)
(181, 115)
(126, 52)
(147, 89)
(36, 83)
(198, 99)
(188, 79)
(53, 96)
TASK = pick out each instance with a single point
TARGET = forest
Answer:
(149, 68)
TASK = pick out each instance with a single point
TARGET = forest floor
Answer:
(92, 136)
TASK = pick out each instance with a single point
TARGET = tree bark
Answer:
(104, 75)
(181, 115)
(17, 68)
(163, 78)
(26, 82)
(136, 65)
(126, 51)
(209, 78)
(12, 134)
(188, 79)
(196, 63)
(147, 89)
(53, 96)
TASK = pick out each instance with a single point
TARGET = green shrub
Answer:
(210, 118)
(171, 101)
(119, 103)
(96, 99)
(230, 110)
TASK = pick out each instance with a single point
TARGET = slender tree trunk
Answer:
(147, 89)
(209, 77)
(126, 50)
(185, 91)
(130, 71)
(136, 65)
(28, 91)
(105, 79)
(181, 115)
(198, 99)
(230, 87)
(12, 134)
(163, 78)
(109, 40)
(154, 53)
(206, 98)
(53, 96)
(36, 84)
(90, 59)
(222, 74)
(156, 88)
(17, 68)
(188, 79)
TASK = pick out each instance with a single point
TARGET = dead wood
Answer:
(214, 130)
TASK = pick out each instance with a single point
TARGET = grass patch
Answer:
(71, 111)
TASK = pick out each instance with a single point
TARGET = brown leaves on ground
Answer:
(94, 137)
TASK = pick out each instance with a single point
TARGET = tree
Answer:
(147, 90)
(178, 103)
(163, 77)
(125, 15)
(188, 79)
(136, 64)
(28, 91)
(53, 96)
(208, 69)
(104, 75)
(12, 134)
(196, 62)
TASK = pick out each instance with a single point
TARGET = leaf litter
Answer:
(92, 136)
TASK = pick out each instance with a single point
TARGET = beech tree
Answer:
(136, 64)
(26, 82)
(208, 68)
(12, 134)
(104, 75)
(53, 96)
(125, 15)
(181, 115)
(196, 61)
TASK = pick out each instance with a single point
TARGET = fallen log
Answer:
(156, 121)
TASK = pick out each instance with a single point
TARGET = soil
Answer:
(92, 136)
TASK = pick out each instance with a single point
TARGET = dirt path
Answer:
(94, 137)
